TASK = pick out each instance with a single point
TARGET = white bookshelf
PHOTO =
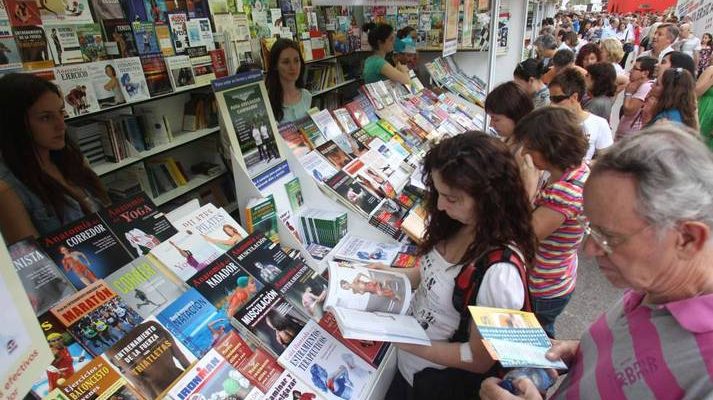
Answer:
(337, 86)
(179, 139)
(195, 182)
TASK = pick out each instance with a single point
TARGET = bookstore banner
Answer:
(700, 12)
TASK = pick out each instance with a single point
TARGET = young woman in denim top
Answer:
(45, 182)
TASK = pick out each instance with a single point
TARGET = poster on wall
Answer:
(481, 30)
(450, 33)
(700, 13)
(467, 32)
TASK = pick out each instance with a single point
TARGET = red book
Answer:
(220, 64)
(317, 42)
(371, 351)
(23, 12)
(259, 367)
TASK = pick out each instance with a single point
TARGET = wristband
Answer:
(466, 354)
(628, 94)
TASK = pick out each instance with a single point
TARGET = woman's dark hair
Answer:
(556, 133)
(678, 94)
(484, 168)
(404, 32)
(710, 38)
(377, 33)
(529, 68)
(678, 59)
(272, 78)
(648, 64)
(510, 100)
(18, 93)
(111, 67)
(603, 77)
(585, 51)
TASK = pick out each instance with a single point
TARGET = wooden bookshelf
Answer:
(179, 139)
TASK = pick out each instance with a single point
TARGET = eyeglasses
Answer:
(604, 241)
(559, 98)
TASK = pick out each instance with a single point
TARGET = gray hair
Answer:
(673, 170)
(546, 42)
(671, 31)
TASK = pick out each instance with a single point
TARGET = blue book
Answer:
(134, 10)
(195, 322)
(156, 11)
(145, 37)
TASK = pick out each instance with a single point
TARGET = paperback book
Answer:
(55, 12)
(97, 380)
(262, 258)
(145, 287)
(334, 154)
(226, 285)
(371, 351)
(131, 77)
(163, 37)
(271, 320)
(151, 358)
(360, 250)
(33, 47)
(91, 43)
(119, 38)
(22, 12)
(257, 365)
(317, 166)
(156, 74)
(288, 387)
(180, 72)
(145, 38)
(200, 33)
(77, 90)
(105, 83)
(138, 223)
(185, 254)
(304, 288)
(353, 193)
(12, 61)
(40, 278)
(261, 215)
(64, 44)
(214, 225)
(177, 22)
(96, 317)
(107, 9)
(201, 64)
(323, 227)
(294, 139)
(86, 250)
(195, 322)
(328, 367)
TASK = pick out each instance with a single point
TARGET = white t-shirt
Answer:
(432, 303)
(598, 134)
(690, 45)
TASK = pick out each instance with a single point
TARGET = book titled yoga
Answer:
(371, 304)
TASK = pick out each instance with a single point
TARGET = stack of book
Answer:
(89, 136)
(321, 76)
(165, 174)
(448, 74)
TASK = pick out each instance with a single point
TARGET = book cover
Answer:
(388, 217)
(304, 288)
(294, 139)
(64, 44)
(184, 254)
(219, 62)
(97, 380)
(180, 72)
(310, 132)
(200, 33)
(23, 12)
(163, 36)
(77, 91)
(257, 365)
(201, 64)
(345, 120)
(131, 76)
(294, 194)
(86, 250)
(248, 111)
(105, 83)
(326, 124)
(334, 154)
(326, 365)
(138, 223)
(353, 192)
(361, 250)
(134, 10)
(212, 377)
(10, 55)
(215, 225)
(33, 47)
(145, 38)
(261, 215)
(40, 278)
(156, 74)
(151, 358)
(371, 351)
(145, 287)
(68, 355)
(226, 285)
(271, 319)
(91, 43)
(261, 257)
(96, 316)
(55, 12)
(317, 166)
(119, 38)
(177, 22)
(107, 9)
(157, 11)
(288, 387)
(195, 322)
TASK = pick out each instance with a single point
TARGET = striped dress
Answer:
(639, 351)
(554, 272)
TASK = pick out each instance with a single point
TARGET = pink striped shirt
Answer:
(554, 270)
(643, 351)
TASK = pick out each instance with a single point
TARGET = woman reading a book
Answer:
(479, 220)
(45, 181)
(289, 99)
(376, 68)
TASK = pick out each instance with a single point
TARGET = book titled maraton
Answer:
(86, 250)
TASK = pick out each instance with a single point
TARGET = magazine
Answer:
(326, 365)
(151, 358)
(145, 287)
(41, 279)
(96, 317)
(514, 338)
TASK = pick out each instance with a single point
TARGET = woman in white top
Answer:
(476, 203)
(285, 82)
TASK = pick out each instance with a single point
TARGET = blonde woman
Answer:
(613, 52)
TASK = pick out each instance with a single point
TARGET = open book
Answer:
(514, 338)
(370, 304)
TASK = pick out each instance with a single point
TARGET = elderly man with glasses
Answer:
(649, 214)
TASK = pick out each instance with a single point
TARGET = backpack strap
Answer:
(469, 279)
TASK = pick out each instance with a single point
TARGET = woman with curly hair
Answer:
(557, 206)
(601, 88)
(588, 54)
(677, 99)
(476, 205)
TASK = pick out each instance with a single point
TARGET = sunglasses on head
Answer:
(559, 98)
